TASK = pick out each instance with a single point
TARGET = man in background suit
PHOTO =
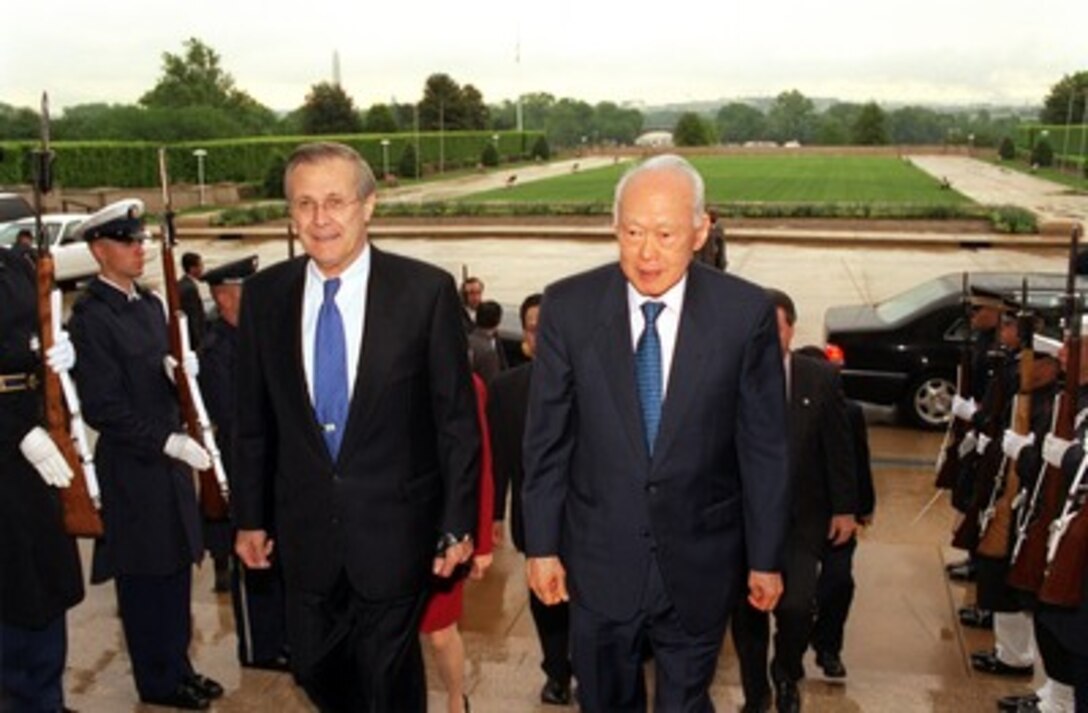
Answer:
(822, 512)
(656, 482)
(192, 304)
(507, 409)
(357, 420)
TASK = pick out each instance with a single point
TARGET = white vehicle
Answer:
(73, 258)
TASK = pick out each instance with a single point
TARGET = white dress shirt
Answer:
(350, 299)
(668, 323)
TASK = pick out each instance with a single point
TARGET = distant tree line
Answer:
(196, 99)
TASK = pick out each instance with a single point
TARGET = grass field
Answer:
(768, 179)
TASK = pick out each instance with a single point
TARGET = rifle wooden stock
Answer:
(1029, 565)
(986, 468)
(81, 518)
(1064, 582)
(994, 537)
(212, 503)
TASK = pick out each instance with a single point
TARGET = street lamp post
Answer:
(200, 154)
(385, 158)
(495, 139)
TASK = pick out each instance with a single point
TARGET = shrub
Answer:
(407, 166)
(489, 156)
(1013, 219)
(1007, 150)
(272, 186)
(1042, 154)
(540, 149)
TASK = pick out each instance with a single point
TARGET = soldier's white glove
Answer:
(1054, 449)
(970, 440)
(983, 443)
(1012, 442)
(190, 363)
(181, 447)
(962, 408)
(43, 454)
(61, 356)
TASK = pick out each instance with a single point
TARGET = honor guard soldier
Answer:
(145, 460)
(257, 594)
(40, 575)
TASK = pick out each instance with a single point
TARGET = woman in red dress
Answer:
(444, 609)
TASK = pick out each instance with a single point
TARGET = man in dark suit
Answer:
(656, 482)
(488, 356)
(192, 304)
(507, 409)
(822, 512)
(357, 421)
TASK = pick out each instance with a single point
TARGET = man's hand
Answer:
(445, 563)
(842, 528)
(180, 446)
(480, 563)
(547, 579)
(764, 589)
(253, 547)
(61, 357)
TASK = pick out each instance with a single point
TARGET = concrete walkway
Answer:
(995, 185)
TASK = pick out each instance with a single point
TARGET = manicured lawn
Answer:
(771, 179)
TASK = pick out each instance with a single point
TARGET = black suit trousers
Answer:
(834, 595)
(793, 619)
(553, 630)
(351, 654)
(608, 656)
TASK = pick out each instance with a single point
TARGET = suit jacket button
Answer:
(651, 489)
(645, 532)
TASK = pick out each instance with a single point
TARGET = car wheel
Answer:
(928, 401)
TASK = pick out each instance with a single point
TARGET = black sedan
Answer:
(904, 351)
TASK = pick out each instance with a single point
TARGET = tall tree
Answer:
(473, 109)
(442, 106)
(615, 124)
(691, 130)
(1056, 104)
(196, 79)
(18, 123)
(329, 110)
(870, 127)
(737, 122)
(380, 120)
(791, 117)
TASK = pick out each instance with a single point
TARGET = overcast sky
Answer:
(934, 51)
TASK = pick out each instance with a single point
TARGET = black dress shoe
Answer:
(787, 699)
(961, 572)
(987, 662)
(976, 618)
(207, 687)
(184, 696)
(1019, 704)
(830, 662)
(555, 693)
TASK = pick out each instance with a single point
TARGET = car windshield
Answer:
(906, 303)
(9, 233)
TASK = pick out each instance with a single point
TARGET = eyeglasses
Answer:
(332, 205)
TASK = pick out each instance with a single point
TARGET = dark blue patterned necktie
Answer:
(331, 370)
(648, 372)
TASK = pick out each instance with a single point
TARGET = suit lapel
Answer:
(378, 333)
(618, 361)
(294, 297)
(685, 374)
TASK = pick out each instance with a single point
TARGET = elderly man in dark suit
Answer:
(821, 513)
(656, 484)
(357, 420)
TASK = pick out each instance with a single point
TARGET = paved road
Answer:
(994, 185)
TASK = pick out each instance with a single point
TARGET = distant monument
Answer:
(336, 68)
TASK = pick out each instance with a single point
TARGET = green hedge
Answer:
(91, 164)
(1067, 140)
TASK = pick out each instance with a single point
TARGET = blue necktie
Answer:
(331, 370)
(648, 372)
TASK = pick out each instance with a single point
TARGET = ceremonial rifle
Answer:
(948, 460)
(986, 465)
(1029, 550)
(80, 500)
(995, 524)
(214, 491)
(1067, 546)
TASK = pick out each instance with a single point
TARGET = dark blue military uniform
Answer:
(257, 594)
(40, 575)
(152, 527)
